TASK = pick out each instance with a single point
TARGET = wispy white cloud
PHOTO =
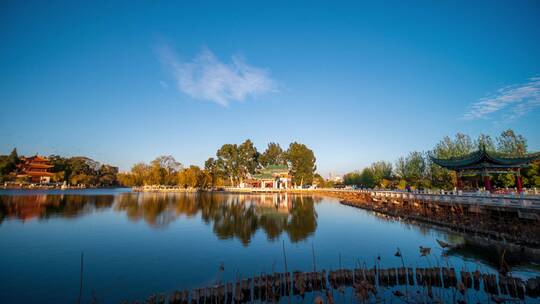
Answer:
(516, 101)
(206, 78)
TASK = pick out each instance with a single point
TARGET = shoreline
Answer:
(470, 225)
(365, 283)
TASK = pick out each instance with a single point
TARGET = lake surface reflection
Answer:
(231, 216)
(136, 244)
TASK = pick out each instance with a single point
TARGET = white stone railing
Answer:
(162, 188)
(493, 200)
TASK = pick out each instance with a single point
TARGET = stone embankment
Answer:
(500, 223)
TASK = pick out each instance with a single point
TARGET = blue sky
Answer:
(356, 82)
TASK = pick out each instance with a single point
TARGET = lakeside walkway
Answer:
(484, 199)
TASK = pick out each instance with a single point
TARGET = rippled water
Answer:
(136, 244)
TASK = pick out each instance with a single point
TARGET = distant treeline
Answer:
(418, 171)
(232, 164)
(77, 170)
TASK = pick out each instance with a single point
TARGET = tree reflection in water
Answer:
(232, 216)
(43, 206)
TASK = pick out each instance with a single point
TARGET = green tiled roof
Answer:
(275, 169)
(486, 159)
(263, 176)
(271, 172)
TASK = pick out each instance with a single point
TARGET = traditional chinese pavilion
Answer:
(37, 168)
(272, 177)
(485, 162)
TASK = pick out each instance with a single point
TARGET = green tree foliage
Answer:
(8, 165)
(211, 168)
(504, 180)
(412, 169)
(459, 146)
(107, 176)
(381, 171)
(237, 161)
(378, 174)
(531, 175)
(247, 159)
(351, 178)
(273, 155)
(83, 171)
(367, 178)
(301, 161)
(512, 144)
(228, 162)
(486, 142)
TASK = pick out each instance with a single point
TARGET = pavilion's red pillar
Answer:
(487, 182)
(519, 183)
(459, 181)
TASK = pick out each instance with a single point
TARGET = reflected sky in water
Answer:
(136, 244)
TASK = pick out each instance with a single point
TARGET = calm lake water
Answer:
(136, 244)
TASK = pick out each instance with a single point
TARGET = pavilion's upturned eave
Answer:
(40, 165)
(512, 161)
(458, 162)
(492, 166)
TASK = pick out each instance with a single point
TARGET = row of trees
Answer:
(73, 170)
(161, 171)
(417, 170)
(82, 170)
(232, 164)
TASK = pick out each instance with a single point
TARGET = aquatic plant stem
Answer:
(286, 268)
(81, 278)
(313, 254)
